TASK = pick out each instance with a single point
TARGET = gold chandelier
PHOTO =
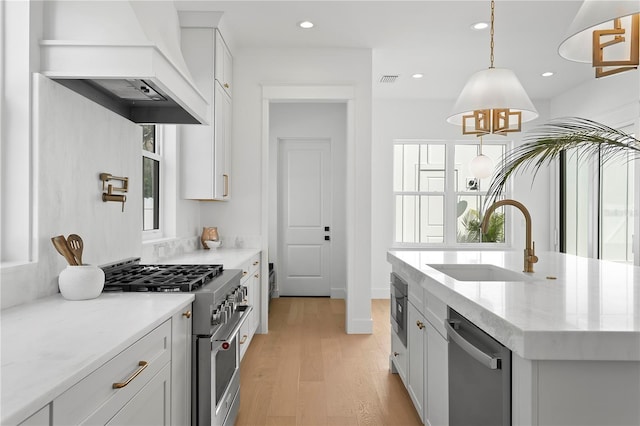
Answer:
(606, 34)
(493, 100)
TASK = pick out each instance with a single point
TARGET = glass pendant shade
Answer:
(481, 166)
(492, 89)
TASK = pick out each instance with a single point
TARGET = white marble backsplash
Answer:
(162, 250)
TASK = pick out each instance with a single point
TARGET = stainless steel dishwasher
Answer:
(479, 375)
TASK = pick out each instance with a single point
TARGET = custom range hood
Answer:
(124, 55)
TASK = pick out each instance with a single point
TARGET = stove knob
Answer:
(215, 317)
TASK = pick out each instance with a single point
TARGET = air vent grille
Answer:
(388, 78)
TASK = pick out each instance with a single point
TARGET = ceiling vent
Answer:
(388, 78)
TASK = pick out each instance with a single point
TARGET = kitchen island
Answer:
(573, 327)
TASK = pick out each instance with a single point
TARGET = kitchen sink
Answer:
(476, 272)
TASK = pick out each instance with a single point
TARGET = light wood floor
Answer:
(308, 371)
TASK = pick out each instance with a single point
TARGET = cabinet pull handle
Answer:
(255, 263)
(187, 314)
(141, 366)
(244, 339)
(226, 185)
(226, 85)
(257, 275)
(244, 273)
(420, 324)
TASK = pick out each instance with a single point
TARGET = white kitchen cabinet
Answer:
(137, 379)
(150, 406)
(416, 346)
(42, 417)
(426, 356)
(181, 325)
(223, 63)
(206, 149)
(398, 358)
(575, 392)
(251, 280)
(437, 378)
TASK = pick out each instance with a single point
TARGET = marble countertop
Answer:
(590, 311)
(230, 258)
(50, 344)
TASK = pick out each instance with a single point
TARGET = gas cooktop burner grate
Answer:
(133, 277)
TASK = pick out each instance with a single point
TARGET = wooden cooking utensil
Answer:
(76, 245)
(60, 243)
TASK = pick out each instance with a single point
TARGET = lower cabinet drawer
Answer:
(111, 386)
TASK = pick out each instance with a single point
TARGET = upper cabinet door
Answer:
(224, 64)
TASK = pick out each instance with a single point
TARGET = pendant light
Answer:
(481, 166)
(605, 34)
(493, 100)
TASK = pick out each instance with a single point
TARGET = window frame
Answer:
(593, 247)
(450, 195)
(154, 234)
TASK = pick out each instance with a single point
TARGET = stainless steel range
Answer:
(219, 310)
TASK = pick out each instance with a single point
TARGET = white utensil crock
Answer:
(81, 282)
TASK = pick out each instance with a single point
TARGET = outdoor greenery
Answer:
(472, 224)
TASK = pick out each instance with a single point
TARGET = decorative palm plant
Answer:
(544, 144)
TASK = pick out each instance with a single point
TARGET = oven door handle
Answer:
(236, 329)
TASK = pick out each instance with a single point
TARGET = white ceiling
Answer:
(406, 37)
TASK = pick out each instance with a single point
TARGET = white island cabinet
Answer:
(573, 327)
(118, 359)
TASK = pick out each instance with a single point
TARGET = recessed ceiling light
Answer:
(480, 26)
(547, 74)
(417, 75)
(305, 24)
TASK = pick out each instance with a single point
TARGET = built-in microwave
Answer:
(399, 291)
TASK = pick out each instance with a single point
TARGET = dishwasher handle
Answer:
(489, 361)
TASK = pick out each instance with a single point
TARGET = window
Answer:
(151, 162)
(597, 216)
(437, 199)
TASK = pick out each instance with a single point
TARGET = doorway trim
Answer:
(316, 93)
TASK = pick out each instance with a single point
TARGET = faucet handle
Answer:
(532, 256)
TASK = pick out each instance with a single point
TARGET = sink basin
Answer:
(476, 272)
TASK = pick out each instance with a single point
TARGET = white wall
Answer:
(242, 214)
(75, 141)
(426, 119)
(313, 120)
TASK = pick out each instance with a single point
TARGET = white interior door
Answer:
(304, 217)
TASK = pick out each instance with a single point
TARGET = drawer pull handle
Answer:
(255, 263)
(187, 314)
(257, 275)
(244, 273)
(141, 366)
(420, 324)
(244, 339)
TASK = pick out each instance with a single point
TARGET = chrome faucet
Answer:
(530, 247)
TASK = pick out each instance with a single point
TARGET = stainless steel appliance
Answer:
(218, 313)
(399, 290)
(479, 375)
